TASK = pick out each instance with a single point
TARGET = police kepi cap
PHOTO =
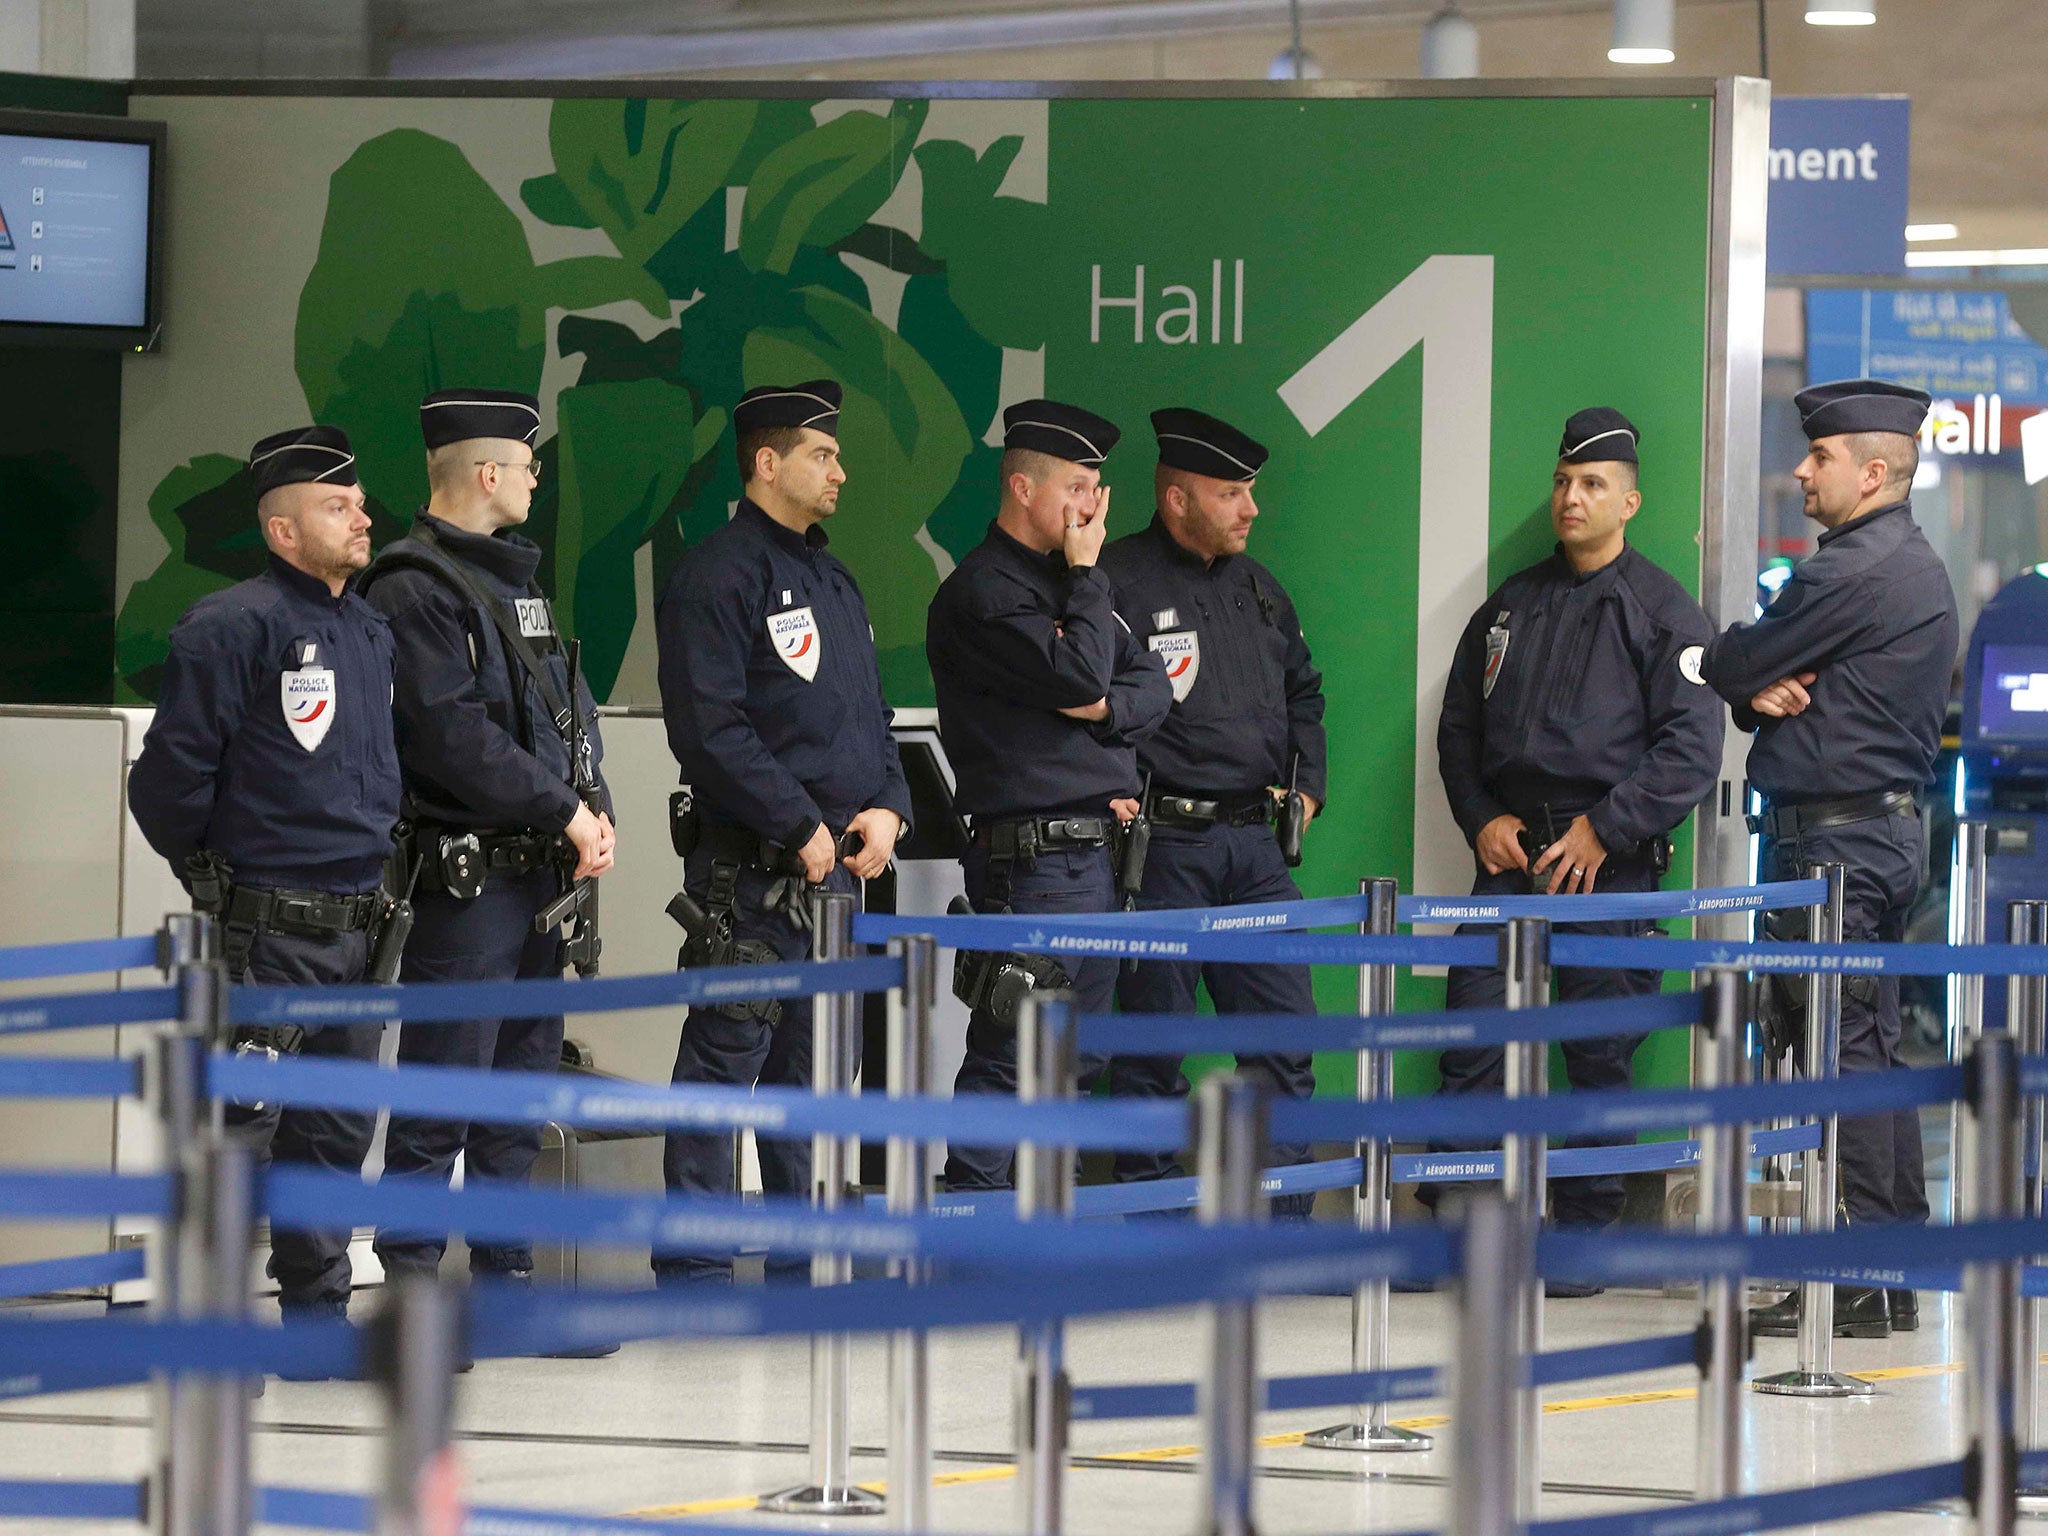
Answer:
(1598, 435)
(814, 404)
(457, 415)
(1202, 445)
(1860, 405)
(302, 456)
(1064, 431)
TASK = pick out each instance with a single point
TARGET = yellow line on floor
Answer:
(1001, 1473)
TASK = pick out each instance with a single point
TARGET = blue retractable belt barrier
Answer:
(1252, 917)
(70, 1376)
(1583, 1162)
(87, 1271)
(1774, 1511)
(1584, 949)
(138, 1346)
(1622, 1359)
(85, 1010)
(318, 1510)
(1602, 907)
(532, 1098)
(36, 1196)
(81, 957)
(72, 1500)
(431, 1001)
(1615, 1111)
(1158, 1034)
(23, 1077)
(1087, 934)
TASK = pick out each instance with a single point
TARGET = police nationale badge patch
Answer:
(308, 704)
(1496, 652)
(796, 640)
(1182, 653)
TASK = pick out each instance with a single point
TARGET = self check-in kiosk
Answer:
(2003, 771)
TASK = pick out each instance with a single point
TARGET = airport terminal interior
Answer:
(1505, 612)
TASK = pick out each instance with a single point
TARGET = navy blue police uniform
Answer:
(1247, 716)
(772, 696)
(1872, 614)
(486, 760)
(272, 754)
(1013, 637)
(1577, 694)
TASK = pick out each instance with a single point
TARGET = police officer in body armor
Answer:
(1844, 680)
(269, 780)
(1576, 733)
(503, 794)
(773, 700)
(1242, 748)
(1043, 695)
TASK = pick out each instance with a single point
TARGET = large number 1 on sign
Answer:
(1445, 306)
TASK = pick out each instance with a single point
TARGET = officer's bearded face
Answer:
(1589, 503)
(1215, 517)
(324, 530)
(808, 477)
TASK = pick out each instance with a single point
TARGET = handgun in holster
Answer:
(708, 942)
(393, 925)
(997, 982)
(1134, 846)
(1293, 823)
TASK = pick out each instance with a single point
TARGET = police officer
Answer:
(1246, 727)
(501, 784)
(269, 779)
(773, 700)
(1576, 733)
(1043, 695)
(1844, 680)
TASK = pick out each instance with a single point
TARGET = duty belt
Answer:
(309, 914)
(1783, 822)
(1022, 838)
(729, 844)
(1175, 810)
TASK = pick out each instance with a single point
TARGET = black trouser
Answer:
(1606, 1062)
(488, 937)
(311, 1267)
(1883, 1173)
(717, 1048)
(1060, 880)
(1217, 866)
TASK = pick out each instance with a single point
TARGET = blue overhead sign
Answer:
(1954, 345)
(1838, 169)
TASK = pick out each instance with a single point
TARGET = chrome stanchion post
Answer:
(1046, 1065)
(1372, 1205)
(1230, 1143)
(1968, 912)
(2027, 1019)
(1816, 1375)
(191, 1414)
(414, 1341)
(1723, 1168)
(1991, 1292)
(910, 1194)
(1498, 1243)
(834, 1021)
(1525, 963)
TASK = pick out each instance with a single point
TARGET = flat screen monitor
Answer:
(80, 205)
(2012, 699)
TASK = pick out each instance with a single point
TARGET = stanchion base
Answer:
(1811, 1384)
(822, 1501)
(1366, 1437)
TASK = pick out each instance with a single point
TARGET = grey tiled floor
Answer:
(686, 1428)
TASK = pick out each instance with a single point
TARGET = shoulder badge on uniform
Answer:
(1689, 661)
(1182, 653)
(796, 640)
(308, 695)
(1166, 618)
(1496, 652)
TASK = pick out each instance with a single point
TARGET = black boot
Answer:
(1905, 1310)
(1571, 1290)
(1861, 1312)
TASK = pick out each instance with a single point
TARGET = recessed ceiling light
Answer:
(2017, 258)
(1841, 13)
(1931, 231)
